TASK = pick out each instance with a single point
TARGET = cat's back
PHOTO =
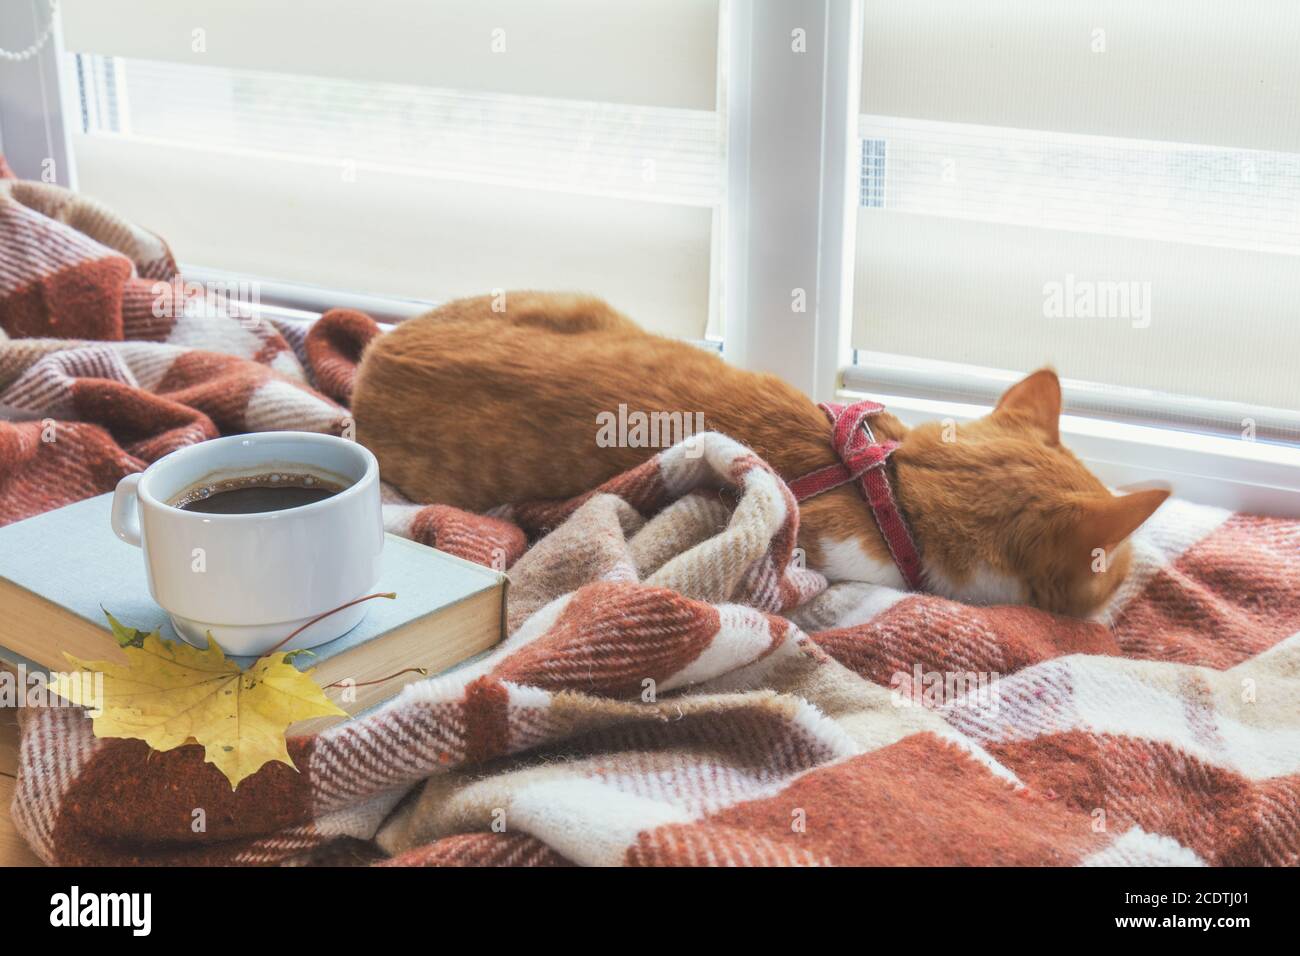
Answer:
(561, 354)
(483, 402)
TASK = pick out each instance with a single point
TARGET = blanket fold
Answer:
(675, 688)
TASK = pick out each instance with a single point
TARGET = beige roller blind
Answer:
(1109, 187)
(1195, 71)
(417, 149)
(1173, 317)
(407, 235)
(644, 52)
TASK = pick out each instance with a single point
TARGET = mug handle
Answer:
(125, 514)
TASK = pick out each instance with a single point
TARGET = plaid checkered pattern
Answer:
(675, 688)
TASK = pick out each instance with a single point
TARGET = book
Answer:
(59, 572)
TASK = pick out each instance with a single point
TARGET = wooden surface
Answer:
(13, 849)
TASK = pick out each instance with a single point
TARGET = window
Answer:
(419, 150)
(1109, 188)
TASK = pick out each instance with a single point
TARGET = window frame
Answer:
(790, 221)
(37, 98)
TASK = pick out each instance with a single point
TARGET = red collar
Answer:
(862, 459)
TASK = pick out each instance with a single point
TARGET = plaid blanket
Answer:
(675, 687)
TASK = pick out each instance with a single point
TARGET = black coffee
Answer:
(255, 494)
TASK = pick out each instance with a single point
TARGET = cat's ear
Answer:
(1109, 519)
(1037, 399)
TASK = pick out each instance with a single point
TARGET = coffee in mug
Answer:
(255, 494)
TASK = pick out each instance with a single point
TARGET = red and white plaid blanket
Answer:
(675, 688)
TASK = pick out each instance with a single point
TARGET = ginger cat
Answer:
(475, 408)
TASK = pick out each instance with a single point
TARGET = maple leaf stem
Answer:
(320, 617)
(423, 671)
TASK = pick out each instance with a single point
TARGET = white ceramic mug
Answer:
(252, 579)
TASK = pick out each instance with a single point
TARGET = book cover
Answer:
(71, 558)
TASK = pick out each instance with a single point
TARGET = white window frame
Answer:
(37, 99)
(792, 131)
(789, 223)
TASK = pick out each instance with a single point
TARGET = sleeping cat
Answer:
(473, 407)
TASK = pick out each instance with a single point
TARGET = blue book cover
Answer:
(71, 558)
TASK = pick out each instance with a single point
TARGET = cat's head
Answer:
(1004, 513)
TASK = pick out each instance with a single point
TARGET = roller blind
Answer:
(1109, 187)
(642, 52)
(1220, 72)
(422, 150)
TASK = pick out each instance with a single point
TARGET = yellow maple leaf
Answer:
(168, 694)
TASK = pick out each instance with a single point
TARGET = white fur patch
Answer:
(984, 586)
(875, 601)
(847, 560)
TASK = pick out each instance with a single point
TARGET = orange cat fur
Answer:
(471, 407)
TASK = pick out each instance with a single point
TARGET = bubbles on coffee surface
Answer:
(256, 494)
